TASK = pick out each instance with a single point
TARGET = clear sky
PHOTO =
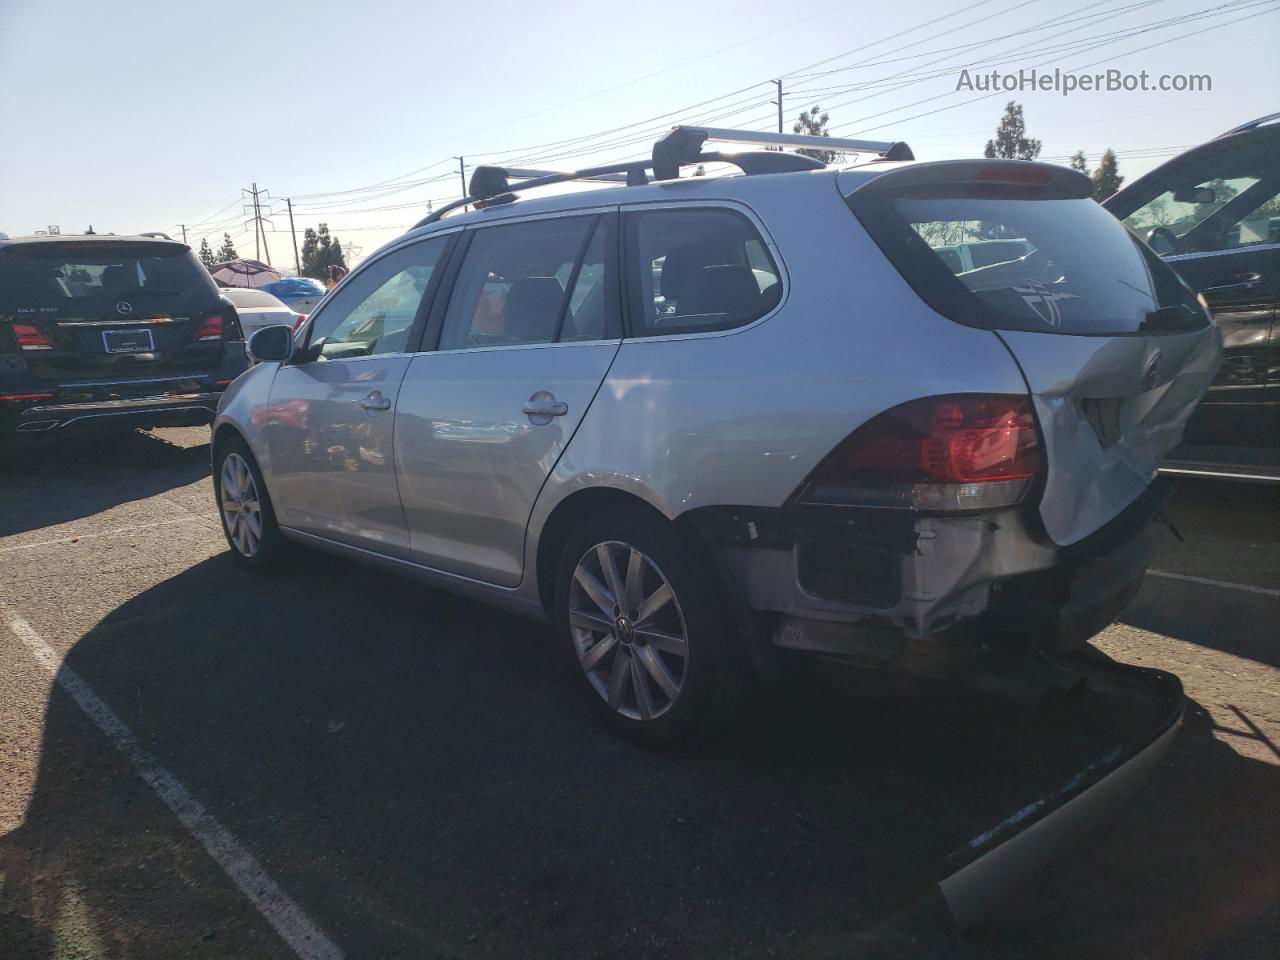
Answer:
(146, 114)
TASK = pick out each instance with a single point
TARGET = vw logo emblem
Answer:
(124, 308)
(1152, 373)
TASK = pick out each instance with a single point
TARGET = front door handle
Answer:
(1237, 284)
(375, 401)
(542, 406)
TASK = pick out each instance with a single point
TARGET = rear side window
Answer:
(1047, 266)
(82, 276)
(697, 269)
(537, 281)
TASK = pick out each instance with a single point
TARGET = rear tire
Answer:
(650, 643)
(244, 507)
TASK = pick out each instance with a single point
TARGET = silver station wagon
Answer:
(899, 414)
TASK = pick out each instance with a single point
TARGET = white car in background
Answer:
(258, 309)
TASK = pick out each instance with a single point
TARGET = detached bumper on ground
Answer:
(977, 875)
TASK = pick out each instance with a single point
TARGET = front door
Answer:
(1215, 218)
(528, 335)
(329, 423)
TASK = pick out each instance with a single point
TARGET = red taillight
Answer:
(210, 327)
(30, 337)
(297, 324)
(962, 452)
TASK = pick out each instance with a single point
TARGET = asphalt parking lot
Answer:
(412, 776)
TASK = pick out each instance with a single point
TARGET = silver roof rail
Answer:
(1251, 125)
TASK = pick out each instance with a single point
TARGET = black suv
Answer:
(1214, 214)
(103, 331)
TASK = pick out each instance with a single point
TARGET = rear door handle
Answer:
(543, 405)
(375, 401)
(1238, 283)
(545, 409)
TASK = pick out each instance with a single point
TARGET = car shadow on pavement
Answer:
(416, 771)
(57, 482)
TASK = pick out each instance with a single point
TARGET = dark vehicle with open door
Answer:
(99, 332)
(1213, 214)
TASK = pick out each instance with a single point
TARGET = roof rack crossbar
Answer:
(520, 173)
(791, 140)
(679, 147)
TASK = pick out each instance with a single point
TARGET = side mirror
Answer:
(1195, 195)
(271, 344)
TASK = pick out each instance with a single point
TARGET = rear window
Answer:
(251, 298)
(1047, 266)
(44, 276)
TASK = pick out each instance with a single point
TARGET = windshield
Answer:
(59, 276)
(1048, 266)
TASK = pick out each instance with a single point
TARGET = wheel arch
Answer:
(571, 511)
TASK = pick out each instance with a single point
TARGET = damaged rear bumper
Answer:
(890, 587)
(980, 873)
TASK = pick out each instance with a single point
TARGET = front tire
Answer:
(644, 627)
(244, 507)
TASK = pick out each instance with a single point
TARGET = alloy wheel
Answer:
(241, 509)
(628, 630)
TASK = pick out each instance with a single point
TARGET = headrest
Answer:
(532, 309)
(729, 289)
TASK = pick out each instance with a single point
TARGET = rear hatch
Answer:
(85, 311)
(1116, 350)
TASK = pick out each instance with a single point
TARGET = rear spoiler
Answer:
(1023, 179)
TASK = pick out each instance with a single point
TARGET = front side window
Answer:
(1221, 201)
(697, 269)
(375, 312)
(519, 281)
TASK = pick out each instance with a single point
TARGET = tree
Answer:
(1079, 163)
(228, 250)
(1011, 140)
(320, 251)
(206, 254)
(1106, 179)
(813, 124)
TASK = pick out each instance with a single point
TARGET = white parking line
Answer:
(282, 913)
(101, 533)
(1225, 584)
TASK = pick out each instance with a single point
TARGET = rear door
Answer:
(328, 425)
(85, 312)
(525, 341)
(1115, 349)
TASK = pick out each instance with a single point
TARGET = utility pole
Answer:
(293, 233)
(184, 232)
(462, 175)
(260, 249)
(778, 83)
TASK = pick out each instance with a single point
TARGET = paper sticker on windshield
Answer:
(1044, 302)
